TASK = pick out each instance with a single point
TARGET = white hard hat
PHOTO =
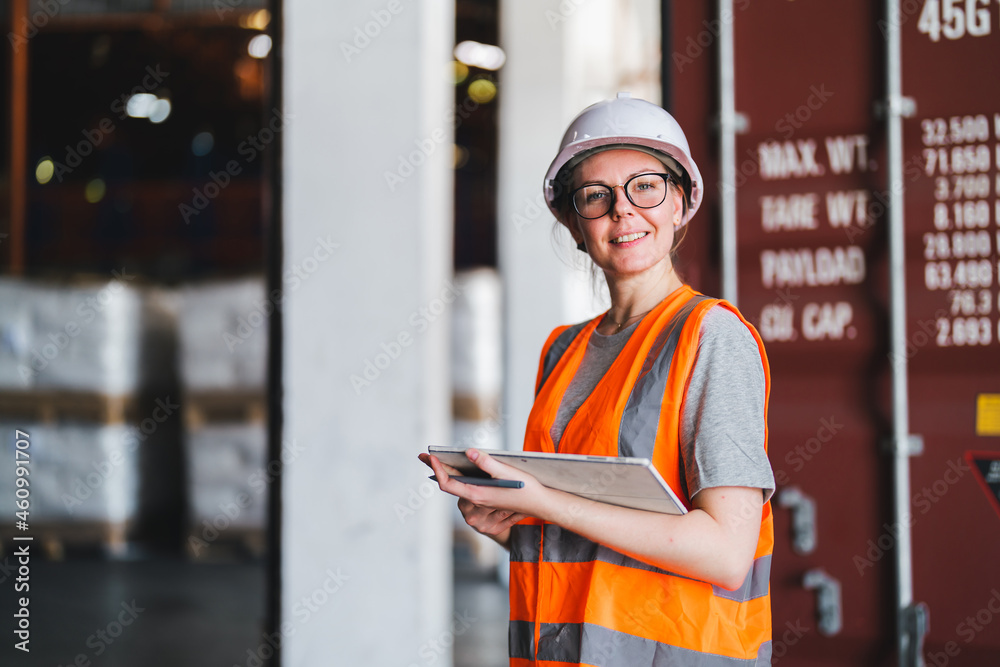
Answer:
(625, 122)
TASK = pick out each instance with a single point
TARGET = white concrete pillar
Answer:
(562, 55)
(366, 566)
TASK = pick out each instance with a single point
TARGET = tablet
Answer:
(627, 482)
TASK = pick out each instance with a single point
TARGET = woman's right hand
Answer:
(489, 521)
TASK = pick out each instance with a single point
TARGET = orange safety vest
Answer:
(577, 602)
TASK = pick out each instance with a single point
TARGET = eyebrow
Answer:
(632, 175)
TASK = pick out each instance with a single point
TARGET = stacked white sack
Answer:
(223, 336)
(225, 471)
(102, 338)
(79, 472)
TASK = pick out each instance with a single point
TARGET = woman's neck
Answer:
(634, 296)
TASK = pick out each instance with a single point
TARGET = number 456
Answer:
(955, 18)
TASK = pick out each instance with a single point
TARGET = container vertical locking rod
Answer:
(727, 149)
(908, 638)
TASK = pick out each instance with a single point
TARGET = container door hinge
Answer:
(905, 107)
(916, 622)
(829, 611)
(914, 445)
(738, 123)
(803, 519)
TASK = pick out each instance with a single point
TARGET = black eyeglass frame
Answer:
(667, 178)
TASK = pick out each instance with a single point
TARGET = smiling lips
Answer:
(629, 237)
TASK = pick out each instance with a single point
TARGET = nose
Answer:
(620, 203)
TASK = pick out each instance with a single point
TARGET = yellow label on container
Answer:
(988, 414)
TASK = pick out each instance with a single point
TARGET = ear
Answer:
(678, 199)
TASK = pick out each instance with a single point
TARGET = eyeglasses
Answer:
(643, 191)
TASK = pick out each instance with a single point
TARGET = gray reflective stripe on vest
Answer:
(521, 640)
(525, 541)
(596, 645)
(565, 546)
(641, 418)
(557, 349)
(754, 586)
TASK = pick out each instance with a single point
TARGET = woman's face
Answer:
(607, 237)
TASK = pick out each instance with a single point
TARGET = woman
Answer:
(666, 374)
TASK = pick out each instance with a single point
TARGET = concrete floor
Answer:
(183, 613)
(174, 613)
(485, 642)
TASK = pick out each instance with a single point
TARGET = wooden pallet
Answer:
(202, 408)
(53, 539)
(474, 407)
(233, 542)
(55, 405)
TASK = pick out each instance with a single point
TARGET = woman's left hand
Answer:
(515, 504)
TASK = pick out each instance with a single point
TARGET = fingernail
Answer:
(473, 455)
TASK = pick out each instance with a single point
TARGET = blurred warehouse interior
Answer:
(134, 190)
(135, 313)
(258, 254)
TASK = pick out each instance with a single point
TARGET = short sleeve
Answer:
(723, 422)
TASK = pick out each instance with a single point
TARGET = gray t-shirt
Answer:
(722, 425)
